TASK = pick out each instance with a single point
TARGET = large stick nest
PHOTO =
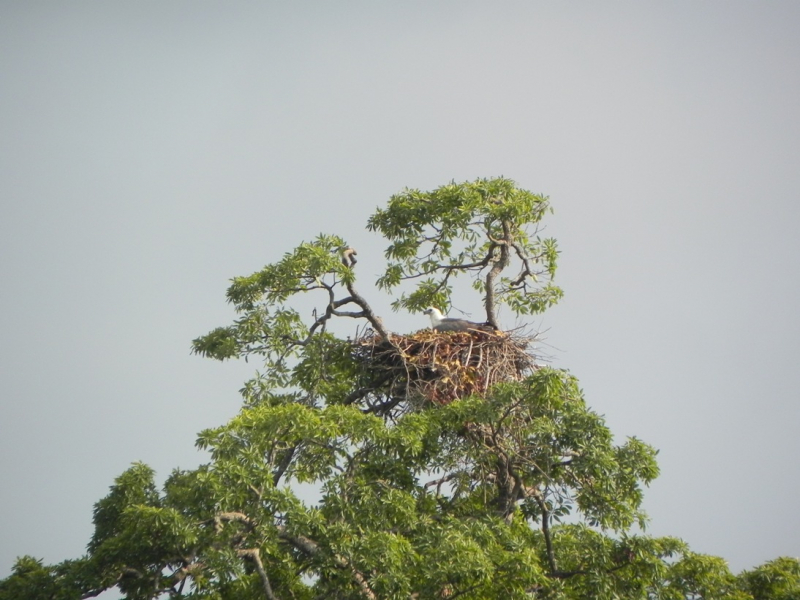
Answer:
(440, 367)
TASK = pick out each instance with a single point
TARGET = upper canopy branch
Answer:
(467, 228)
(456, 267)
(270, 327)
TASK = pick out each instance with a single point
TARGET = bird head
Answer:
(434, 313)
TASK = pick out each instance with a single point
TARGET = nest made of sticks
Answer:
(440, 367)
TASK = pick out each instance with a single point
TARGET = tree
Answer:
(441, 473)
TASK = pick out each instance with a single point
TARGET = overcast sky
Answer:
(150, 151)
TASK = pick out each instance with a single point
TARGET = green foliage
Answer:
(477, 227)
(299, 271)
(778, 579)
(293, 351)
(520, 493)
(30, 580)
(135, 487)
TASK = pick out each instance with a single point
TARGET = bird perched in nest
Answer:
(441, 323)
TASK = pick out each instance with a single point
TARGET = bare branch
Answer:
(438, 482)
(283, 465)
(254, 555)
(500, 263)
(234, 517)
(461, 267)
(374, 320)
(548, 541)
(311, 548)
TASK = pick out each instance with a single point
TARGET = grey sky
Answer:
(151, 151)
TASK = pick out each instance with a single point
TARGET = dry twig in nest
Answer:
(442, 366)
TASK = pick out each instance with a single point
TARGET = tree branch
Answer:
(254, 555)
(233, 516)
(283, 465)
(449, 268)
(312, 548)
(551, 557)
(374, 320)
(500, 263)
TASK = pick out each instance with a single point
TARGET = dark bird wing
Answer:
(457, 325)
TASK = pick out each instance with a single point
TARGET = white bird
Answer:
(441, 323)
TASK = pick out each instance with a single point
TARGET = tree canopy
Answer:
(515, 489)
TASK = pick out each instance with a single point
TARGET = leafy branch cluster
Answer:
(479, 228)
(299, 357)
